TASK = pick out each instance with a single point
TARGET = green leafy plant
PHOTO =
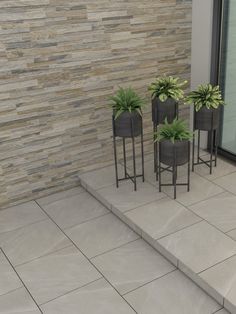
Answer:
(167, 87)
(205, 96)
(126, 100)
(177, 130)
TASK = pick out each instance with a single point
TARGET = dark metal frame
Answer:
(127, 176)
(213, 146)
(155, 126)
(173, 169)
(217, 56)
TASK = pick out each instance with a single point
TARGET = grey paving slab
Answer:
(100, 235)
(74, 210)
(55, 274)
(162, 217)
(96, 298)
(223, 168)
(20, 216)
(219, 211)
(32, 241)
(199, 246)
(59, 196)
(8, 278)
(172, 294)
(228, 182)
(222, 278)
(100, 178)
(125, 198)
(200, 189)
(132, 265)
(18, 302)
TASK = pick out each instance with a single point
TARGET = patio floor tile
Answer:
(18, 301)
(8, 278)
(74, 210)
(96, 298)
(55, 274)
(228, 182)
(200, 189)
(59, 196)
(172, 294)
(20, 216)
(125, 198)
(132, 265)
(222, 278)
(33, 241)
(162, 217)
(100, 235)
(232, 234)
(218, 211)
(199, 246)
(223, 168)
(100, 178)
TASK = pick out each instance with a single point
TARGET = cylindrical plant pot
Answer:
(164, 109)
(176, 153)
(207, 119)
(128, 124)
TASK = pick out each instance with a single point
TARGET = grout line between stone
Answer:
(21, 280)
(218, 263)
(9, 292)
(89, 261)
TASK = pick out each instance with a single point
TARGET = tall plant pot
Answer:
(162, 110)
(207, 119)
(128, 124)
(173, 155)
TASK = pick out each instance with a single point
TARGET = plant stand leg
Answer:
(115, 152)
(159, 168)
(188, 166)
(134, 159)
(198, 146)
(193, 151)
(124, 156)
(142, 152)
(211, 149)
(155, 148)
(174, 174)
(216, 146)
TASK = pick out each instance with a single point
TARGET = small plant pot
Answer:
(161, 110)
(176, 153)
(207, 119)
(128, 124)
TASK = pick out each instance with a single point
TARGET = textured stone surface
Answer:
(59, 62)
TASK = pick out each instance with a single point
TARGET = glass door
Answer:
(227, 76)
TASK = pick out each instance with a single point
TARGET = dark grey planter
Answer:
(174, 154)
(161, 110)
(207, 119)
(128, 124)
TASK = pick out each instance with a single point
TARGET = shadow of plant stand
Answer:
(132, 134)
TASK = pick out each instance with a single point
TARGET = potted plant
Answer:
(207, 100)
(127, 112)
(166, 92)
(174, 142)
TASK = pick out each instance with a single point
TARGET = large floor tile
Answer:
(199, 246)
(96, 298)
(200, 189)
(59, 196)
(223, 168)
(30, 242)
(100, 235)
(18, 302)
(228, 182)
(222, 278)
(20, 216)
(162, 217)
(219, 210)
(55, 274)
(101, 178)
(75, 209)
(8, 278)
(132, 265)
(171, 294)
(125, 198)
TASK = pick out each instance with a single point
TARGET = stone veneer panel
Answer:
(60, 60)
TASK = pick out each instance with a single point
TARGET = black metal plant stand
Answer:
(173, 169)
(127, 176)
(213, 135)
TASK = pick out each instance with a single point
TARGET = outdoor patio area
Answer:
(67, 253)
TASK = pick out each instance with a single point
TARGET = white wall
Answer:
(201, 46)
